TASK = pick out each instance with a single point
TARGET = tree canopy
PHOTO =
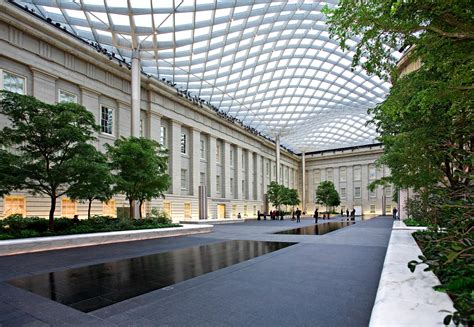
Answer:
(140, 167)
(97, 181)
(46, 146)
(281, 195)
(327, 195)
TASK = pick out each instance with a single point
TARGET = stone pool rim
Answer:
(47, 243)
(283, 231)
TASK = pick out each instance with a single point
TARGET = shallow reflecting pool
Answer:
(317, 229)
(93, 287)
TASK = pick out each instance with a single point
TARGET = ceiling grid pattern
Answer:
(270, 64)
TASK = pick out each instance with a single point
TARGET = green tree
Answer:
(327, 195)
(46, 146)
(96, 182)
(140, 167)
(427, 121)
(276, 194)
(291, 197)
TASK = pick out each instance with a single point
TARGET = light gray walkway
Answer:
(328, 280)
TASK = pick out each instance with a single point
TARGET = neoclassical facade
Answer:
(234, 164)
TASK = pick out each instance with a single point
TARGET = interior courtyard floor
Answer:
(323, 280)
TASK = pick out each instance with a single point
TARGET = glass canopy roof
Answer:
(270, 64)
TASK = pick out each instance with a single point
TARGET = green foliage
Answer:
(327, 195)
(96, 181)
(426, 123)
(15, 226)
(140, 167)
(281, 195)
(411, 222)
(159, 217)
(47, 146)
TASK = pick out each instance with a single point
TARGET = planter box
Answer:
(36, 244)
(405, 298)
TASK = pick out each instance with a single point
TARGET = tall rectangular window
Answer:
(13, 82)
(187, 210)
(109, 208)
(317, 176)
(243, 186)
(14, 205)
(231, 155)
(372, 172)
(106, 120)
(68, 208)
(231, 185)
(218, 184)
(167, 208)
(357, 194)
(65, 97)
(388, 191)
(372, 194)
(218, 152)
(183, 143)
(357, 173)
(372, 208)
(343, 192)
(342, 174)
(184, 179)
(164, 136)
(202, 179)
(267, 169)
(202, 150)
(329, 174)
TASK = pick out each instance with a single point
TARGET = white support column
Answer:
(211, 169)
(136, 90)
(303, 195)
(260, 177)
(277, 150)
(238, 168)
(225, 179)
(175, 157)
(250, 175)
(195, 160)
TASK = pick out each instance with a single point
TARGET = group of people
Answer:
(274, 215)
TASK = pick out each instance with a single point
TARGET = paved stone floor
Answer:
(327, 280)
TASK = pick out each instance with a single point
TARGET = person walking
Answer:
(342, 213)
(316, 216)
(281, 214)
(347, 213)
(298, 215)
(394, 213)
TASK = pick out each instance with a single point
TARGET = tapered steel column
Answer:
(277, 150)
(136, 87)
(303, 195)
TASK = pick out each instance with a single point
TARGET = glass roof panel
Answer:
(270, 64)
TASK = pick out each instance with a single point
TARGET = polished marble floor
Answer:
(96, 286)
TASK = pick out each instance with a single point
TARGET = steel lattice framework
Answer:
(270, 64)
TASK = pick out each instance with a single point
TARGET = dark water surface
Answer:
(317, 229)
(93, 287)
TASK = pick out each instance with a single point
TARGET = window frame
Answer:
(69, 201)
(184, 143)
(164, 136)
(184, 179)
(2, 80)
(14, 197)
(355, 193)
(69, 94)
(102, 107)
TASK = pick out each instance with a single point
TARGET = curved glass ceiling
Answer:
(270, 64)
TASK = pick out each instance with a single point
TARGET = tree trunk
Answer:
(51, 213)
(140, 209)
(89, 209)
(131, 213)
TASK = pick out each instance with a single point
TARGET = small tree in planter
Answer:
(327, 195)
(96, 183)
(140, 167)
(276, 194)
(47, 146)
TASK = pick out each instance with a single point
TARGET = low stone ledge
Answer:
(400, 225)
(405, 298)
(212, 221)
(36, 244)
